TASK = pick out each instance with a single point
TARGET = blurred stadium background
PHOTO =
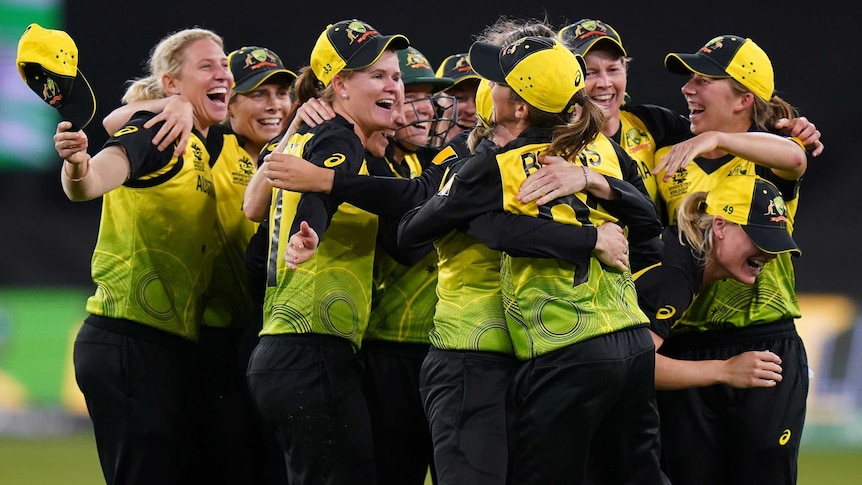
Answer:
(46, 240)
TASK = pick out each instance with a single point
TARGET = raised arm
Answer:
(85, 177)
(784, 157)
(288, 172)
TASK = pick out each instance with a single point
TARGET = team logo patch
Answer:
(357, 32)
(514, 47)
(714, 44)
(258, 59)
(776, 210)
(51, 93)
(633, 136)
(462, 65)
(335, 160)
(590, 28)
(416, 60)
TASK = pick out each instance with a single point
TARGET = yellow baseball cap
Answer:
(540, 69)
(484, 103)
(350, 44)
(48, 62)
(758, 207)
(729, 56)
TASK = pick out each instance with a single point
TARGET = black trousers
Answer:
(402, 440)
(139, 388)
(720, 435)
(308, 388)
(586, 413)
(237, 446)
(464, 395)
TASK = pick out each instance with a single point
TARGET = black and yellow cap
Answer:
(350, 44)
(484, 103)
(415, 69)
(582, 35)
(729, 56)
(758, 207)
(540, 69)
(251, 66)
(457, 68)
(48, 62)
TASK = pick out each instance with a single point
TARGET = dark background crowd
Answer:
(47, 240)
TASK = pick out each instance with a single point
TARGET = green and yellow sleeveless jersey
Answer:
(153, 256)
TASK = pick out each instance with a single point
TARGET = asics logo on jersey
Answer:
(665, 312)
(784, 438)
(334, 160)
(125, 130)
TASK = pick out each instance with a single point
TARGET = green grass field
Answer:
(71, 460)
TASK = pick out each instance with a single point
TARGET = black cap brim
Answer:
(772, 240)
(686, 64)
(251, 83)
(484, 58)
(80, 108)
(584, 47)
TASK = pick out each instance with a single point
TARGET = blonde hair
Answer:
(507, 30)
(477, 134)
(571, 137)
(504, 32)
(695, 225)
(765, 114)
(166, 58)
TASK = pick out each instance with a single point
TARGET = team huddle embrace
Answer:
(501, 270)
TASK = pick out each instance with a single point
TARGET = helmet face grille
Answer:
(441, 118)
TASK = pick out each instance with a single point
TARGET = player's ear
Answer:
(744, 102)
(719, 226)
(170, 84)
